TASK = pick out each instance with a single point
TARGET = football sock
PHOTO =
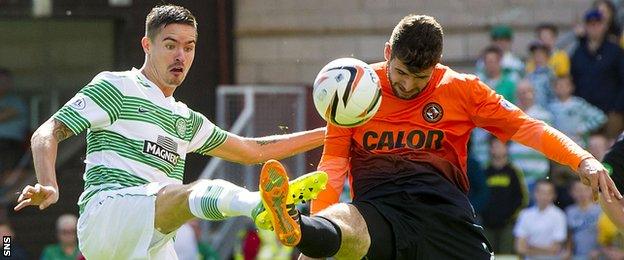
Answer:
(320, 237)
(219, 199)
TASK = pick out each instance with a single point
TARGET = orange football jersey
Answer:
(432, 130)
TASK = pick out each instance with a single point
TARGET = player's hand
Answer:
(595, 175)
(39, 195)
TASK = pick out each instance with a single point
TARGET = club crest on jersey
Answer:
(180, 126)
(432, 112)
(164, 148)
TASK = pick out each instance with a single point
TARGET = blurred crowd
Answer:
(574, 81)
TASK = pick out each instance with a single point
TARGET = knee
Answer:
(355, 237)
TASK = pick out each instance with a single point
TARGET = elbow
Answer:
(36, 139)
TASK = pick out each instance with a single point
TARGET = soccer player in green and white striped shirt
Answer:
(138, 136)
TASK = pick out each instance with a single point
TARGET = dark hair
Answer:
(547, 26)
(164, 15)
(545, 181)
(493, 49)
(538, 45)
(491, 139)
(417, 41)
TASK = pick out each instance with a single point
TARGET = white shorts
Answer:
(119, 224)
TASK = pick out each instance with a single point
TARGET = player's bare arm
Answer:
(44, 145)
(247, 150)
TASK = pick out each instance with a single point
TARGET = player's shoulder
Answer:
(454, 77)
(115, 79)
(455, 80)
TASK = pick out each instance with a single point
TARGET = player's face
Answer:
(405, 84)
(171, 53)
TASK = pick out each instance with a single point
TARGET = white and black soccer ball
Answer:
(347, 92)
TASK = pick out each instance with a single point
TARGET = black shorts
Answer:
(404, 226)
(614, 161)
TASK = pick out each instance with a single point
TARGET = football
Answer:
(347, 92)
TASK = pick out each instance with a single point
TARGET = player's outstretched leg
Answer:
(220, 199)
(205, 199)
(341, 231)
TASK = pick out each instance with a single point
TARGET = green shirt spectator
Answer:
(56, 252)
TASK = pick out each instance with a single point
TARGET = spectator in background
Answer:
(508, 195)
(572, 115)
(558, 61)
(610, 240)
(502, 36)
(608, 11)
(478, 193)
(542, 76)
(248, 246)
(533, 164)
(13, 123)
(598, 72)
(582, 218)
(17, 251)
(67, 247)
(541, 229)
(598, 146)
(494, 76)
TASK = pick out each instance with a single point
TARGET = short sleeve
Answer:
(97, 105)
(207, 137)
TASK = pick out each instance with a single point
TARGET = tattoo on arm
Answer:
(265, 142)
(60, 131)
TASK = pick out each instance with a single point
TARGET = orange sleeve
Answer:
(506, 121)
(336, 168)
(335, 162)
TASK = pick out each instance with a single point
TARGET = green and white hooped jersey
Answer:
(135, 135)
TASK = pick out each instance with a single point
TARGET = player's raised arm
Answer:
(507, 121)
(44, 144)
(250, 150)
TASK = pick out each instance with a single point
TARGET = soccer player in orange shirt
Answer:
(407, 165)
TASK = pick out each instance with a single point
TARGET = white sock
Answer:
(220, 199)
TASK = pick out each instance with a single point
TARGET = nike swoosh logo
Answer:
(143, 110)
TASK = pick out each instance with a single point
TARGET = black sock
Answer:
(320, 237)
